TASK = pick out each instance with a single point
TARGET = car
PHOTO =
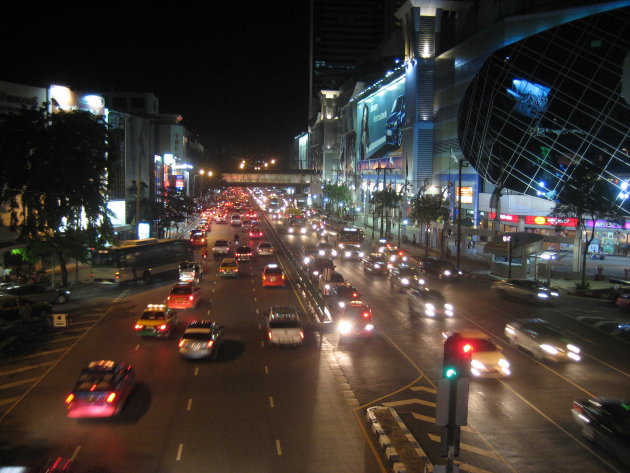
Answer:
(429, 303)
(334, 279)
(340, 295)
(201, 339)
(439, 268)
(284, 326)
(220, 218)
(326, 249)
(190, 271)
(229, 268)
(184, 295)
(39, 293)
(376, 264)
(198, 239)
(255, 232)
(243, 253)
(273, 276)
(235, 220)
(221, 247)
(487, 361)
(18, 312)
(351, 253)
(308, 254)
(246, 223)
(524, 289)
(318, 266)
(355, 320)
(264, 249)
(404, 277)
(156, 320)
(542, 339)
(606, 423)
(101, 390)
(396, 122)
(622, 300)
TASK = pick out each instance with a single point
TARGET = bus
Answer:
(349, 237)
(139, 259)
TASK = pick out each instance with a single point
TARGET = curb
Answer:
(390, 450)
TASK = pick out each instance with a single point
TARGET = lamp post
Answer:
(508, 240)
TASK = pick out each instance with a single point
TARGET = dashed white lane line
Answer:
(271, 404)
(278, 448)
(75, 453)
(196, 371)
(137, 347)
(189, 406)
(179, 452)
(266, 370)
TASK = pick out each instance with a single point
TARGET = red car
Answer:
(198, 239)
(101, 390)
(273, 276)
(255, 232)
(184, 295)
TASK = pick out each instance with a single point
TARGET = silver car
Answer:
(524, 289)
(284, 327)
(542, 339)
(202, 339)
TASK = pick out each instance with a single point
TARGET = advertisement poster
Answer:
(380, 121)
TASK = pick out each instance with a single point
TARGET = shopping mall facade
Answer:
(509, 111)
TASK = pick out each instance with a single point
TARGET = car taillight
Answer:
(110, 398)
(162, 327)
(269, 334)
(577, 408)
(168, 298)
(283, 276)
(355, 295)
(70, 398)
(191, 297)
(209, 344)
(301, 334)
(181, 343)
(138, 327)
(264, 278)
(366, 315)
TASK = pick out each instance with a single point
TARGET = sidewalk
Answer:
(478, 264)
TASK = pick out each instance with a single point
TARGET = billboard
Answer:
(380, 121)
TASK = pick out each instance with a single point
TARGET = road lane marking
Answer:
(189, 406)
(43, 353)
(75, 453)
(266, 370)
(278, 448)
(406, 402)
(423, 388)
(179, 452)
(271, 402)
(468, 448)
(623, 373)
(18, 383)
(27, 368)
(196, 371)
(262, 344)
(8, 401)
(137, 347)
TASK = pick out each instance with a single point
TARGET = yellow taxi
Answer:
(156, 320)
(228, 268)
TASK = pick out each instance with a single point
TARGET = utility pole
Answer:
(459, 215)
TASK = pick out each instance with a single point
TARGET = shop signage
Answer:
(605, 224)
(504, 217)
(553, 221)
(467, 194)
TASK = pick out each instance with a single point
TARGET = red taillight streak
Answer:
(111, 398)
(210, 343)
(191, 297)
(181, 343)
(366, 315)
(163, 327)
(138, 327)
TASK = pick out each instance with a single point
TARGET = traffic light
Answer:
(457, 355)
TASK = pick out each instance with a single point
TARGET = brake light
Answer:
(269, 334)
(191, 298)
(168, 298)
(110, 398)
(283, 276)
(366, 315)
(162, 327)
(138, 327)
(301, 334)
(70, 398)
(355, 294)
(264, 277)
(181, 343)
(210, 343)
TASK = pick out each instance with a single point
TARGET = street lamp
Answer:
(508, 240)
(201, 173)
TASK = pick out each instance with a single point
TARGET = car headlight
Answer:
(404, 281)
(348, 254)
(307, 260)
(369, 327)
(429, 306)
(322, 252)
(361, 254)
(554, 294)
(345, 327)
(477, 364)
(448, 306)
(447, 272)
(421, 282)
(342, 304)
(315, 273)
(377, 266)
(290, 230)
(573, 348)
(503, 363)
(549, 349)
(333, 252)
(542, 295)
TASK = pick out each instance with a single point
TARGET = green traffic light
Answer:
(450, 373)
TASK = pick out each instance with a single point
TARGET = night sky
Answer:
(236, 71)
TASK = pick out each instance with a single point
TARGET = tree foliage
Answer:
(429, 208)
(337, 193)
(53, 180)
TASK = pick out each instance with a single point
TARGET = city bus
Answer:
(349, 237)
(139, 259)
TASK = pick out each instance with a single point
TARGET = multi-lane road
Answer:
(264, 409)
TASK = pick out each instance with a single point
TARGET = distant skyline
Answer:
(237, 72)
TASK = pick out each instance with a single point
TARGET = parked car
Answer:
(14, 308)
(39, 293)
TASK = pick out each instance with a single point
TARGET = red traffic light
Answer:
(457, 356)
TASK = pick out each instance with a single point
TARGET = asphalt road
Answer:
(263, 409)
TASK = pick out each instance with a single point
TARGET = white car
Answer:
(542, 339)
(221, 247)
(265, 249)
(284, 326)
(524, 289)
(488, 361)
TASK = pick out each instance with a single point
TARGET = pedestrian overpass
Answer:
(299, 178)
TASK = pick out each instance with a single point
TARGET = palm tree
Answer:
(429, 208)
(384, 200)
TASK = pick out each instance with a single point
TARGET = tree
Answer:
(175, 208)
(588, 197)
(337, 193)
(384, 200)
(429, 208)
(55, 180)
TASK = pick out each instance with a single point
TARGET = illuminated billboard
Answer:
(380, 121)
